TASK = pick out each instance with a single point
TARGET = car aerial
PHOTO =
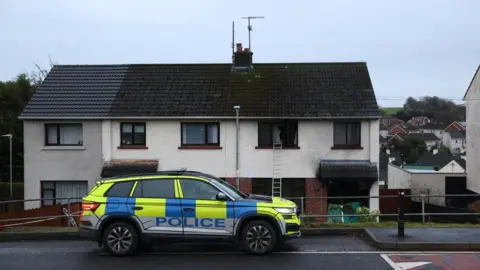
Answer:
(125, 213)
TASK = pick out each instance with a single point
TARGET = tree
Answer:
(14, 95)
(410, 148)
(439, 109)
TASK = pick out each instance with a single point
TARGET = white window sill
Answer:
(63, 148)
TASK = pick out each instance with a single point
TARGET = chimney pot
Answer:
(239, 47)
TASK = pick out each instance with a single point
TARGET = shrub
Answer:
(365, 211)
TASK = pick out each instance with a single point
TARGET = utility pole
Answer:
(250, 28)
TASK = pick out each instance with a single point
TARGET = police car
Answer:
(126, 213)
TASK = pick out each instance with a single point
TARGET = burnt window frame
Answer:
(347, 145)
(271, 124)
(206, 125)
(122, 135)
(58, 126)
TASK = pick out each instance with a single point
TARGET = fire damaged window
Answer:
(346, 134)
(284, 132)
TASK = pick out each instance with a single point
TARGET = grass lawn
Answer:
(389, 224)
(391, 110)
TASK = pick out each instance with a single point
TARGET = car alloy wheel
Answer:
(120, 239)
(259, 238)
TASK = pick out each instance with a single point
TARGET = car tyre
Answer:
(120, 239)
(258, 237)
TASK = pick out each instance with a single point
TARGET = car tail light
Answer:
(90, 206)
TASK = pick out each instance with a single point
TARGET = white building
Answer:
(472, 98)
(117, 119)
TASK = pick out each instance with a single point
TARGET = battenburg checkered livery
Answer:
(128, 212)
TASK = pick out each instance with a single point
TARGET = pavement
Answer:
(332, 252)
(458, 239)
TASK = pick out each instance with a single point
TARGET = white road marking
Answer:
(402, 265)
(316, 252)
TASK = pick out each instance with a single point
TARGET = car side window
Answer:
(120, 189)
(198, 190)
(155, 188)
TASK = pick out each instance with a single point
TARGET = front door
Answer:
(156, 206)
(203, 214)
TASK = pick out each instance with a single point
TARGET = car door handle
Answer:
(137, 208)
(188, 209)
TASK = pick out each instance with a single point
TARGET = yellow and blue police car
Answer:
(126, 213)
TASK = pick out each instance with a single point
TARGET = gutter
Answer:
(194, 118)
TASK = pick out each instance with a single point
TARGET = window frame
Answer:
(54, 182)
(271, 124)
(348, 145)
(206, 182)
(57, 126)
(144, 124)
(140, 182)
(206, 124)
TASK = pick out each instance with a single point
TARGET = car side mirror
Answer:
(222, 197)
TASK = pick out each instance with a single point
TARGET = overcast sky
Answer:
(412, 47)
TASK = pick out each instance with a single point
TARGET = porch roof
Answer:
(123, 167)
(347, 169)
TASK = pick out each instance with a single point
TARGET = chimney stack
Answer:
(242, 59)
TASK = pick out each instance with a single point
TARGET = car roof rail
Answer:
(182, 171)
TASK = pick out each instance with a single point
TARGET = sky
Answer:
(412, 47)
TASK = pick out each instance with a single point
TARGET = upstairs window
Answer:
(200, 134)
(346, 134)
(133, 134)
(63, 134)
(284, 132)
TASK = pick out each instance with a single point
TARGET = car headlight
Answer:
(286, 210)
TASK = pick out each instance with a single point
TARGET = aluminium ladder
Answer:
(277, 169)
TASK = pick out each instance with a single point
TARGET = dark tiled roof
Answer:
(458, 134)
(125, 167)
(76, 91)
(175, 90)
(383, 127)
(440, 159)
(431, 125)
(422, 136)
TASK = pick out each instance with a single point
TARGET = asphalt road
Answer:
(305, 253)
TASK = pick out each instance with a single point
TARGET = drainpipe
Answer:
(237, 144)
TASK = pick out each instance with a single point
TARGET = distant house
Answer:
(455, 141)
(418, 121)
(434, 174)
(441, 162)
(435, 128)
(390, 121)
(455, 126)
(383, 130)
(398, 129)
